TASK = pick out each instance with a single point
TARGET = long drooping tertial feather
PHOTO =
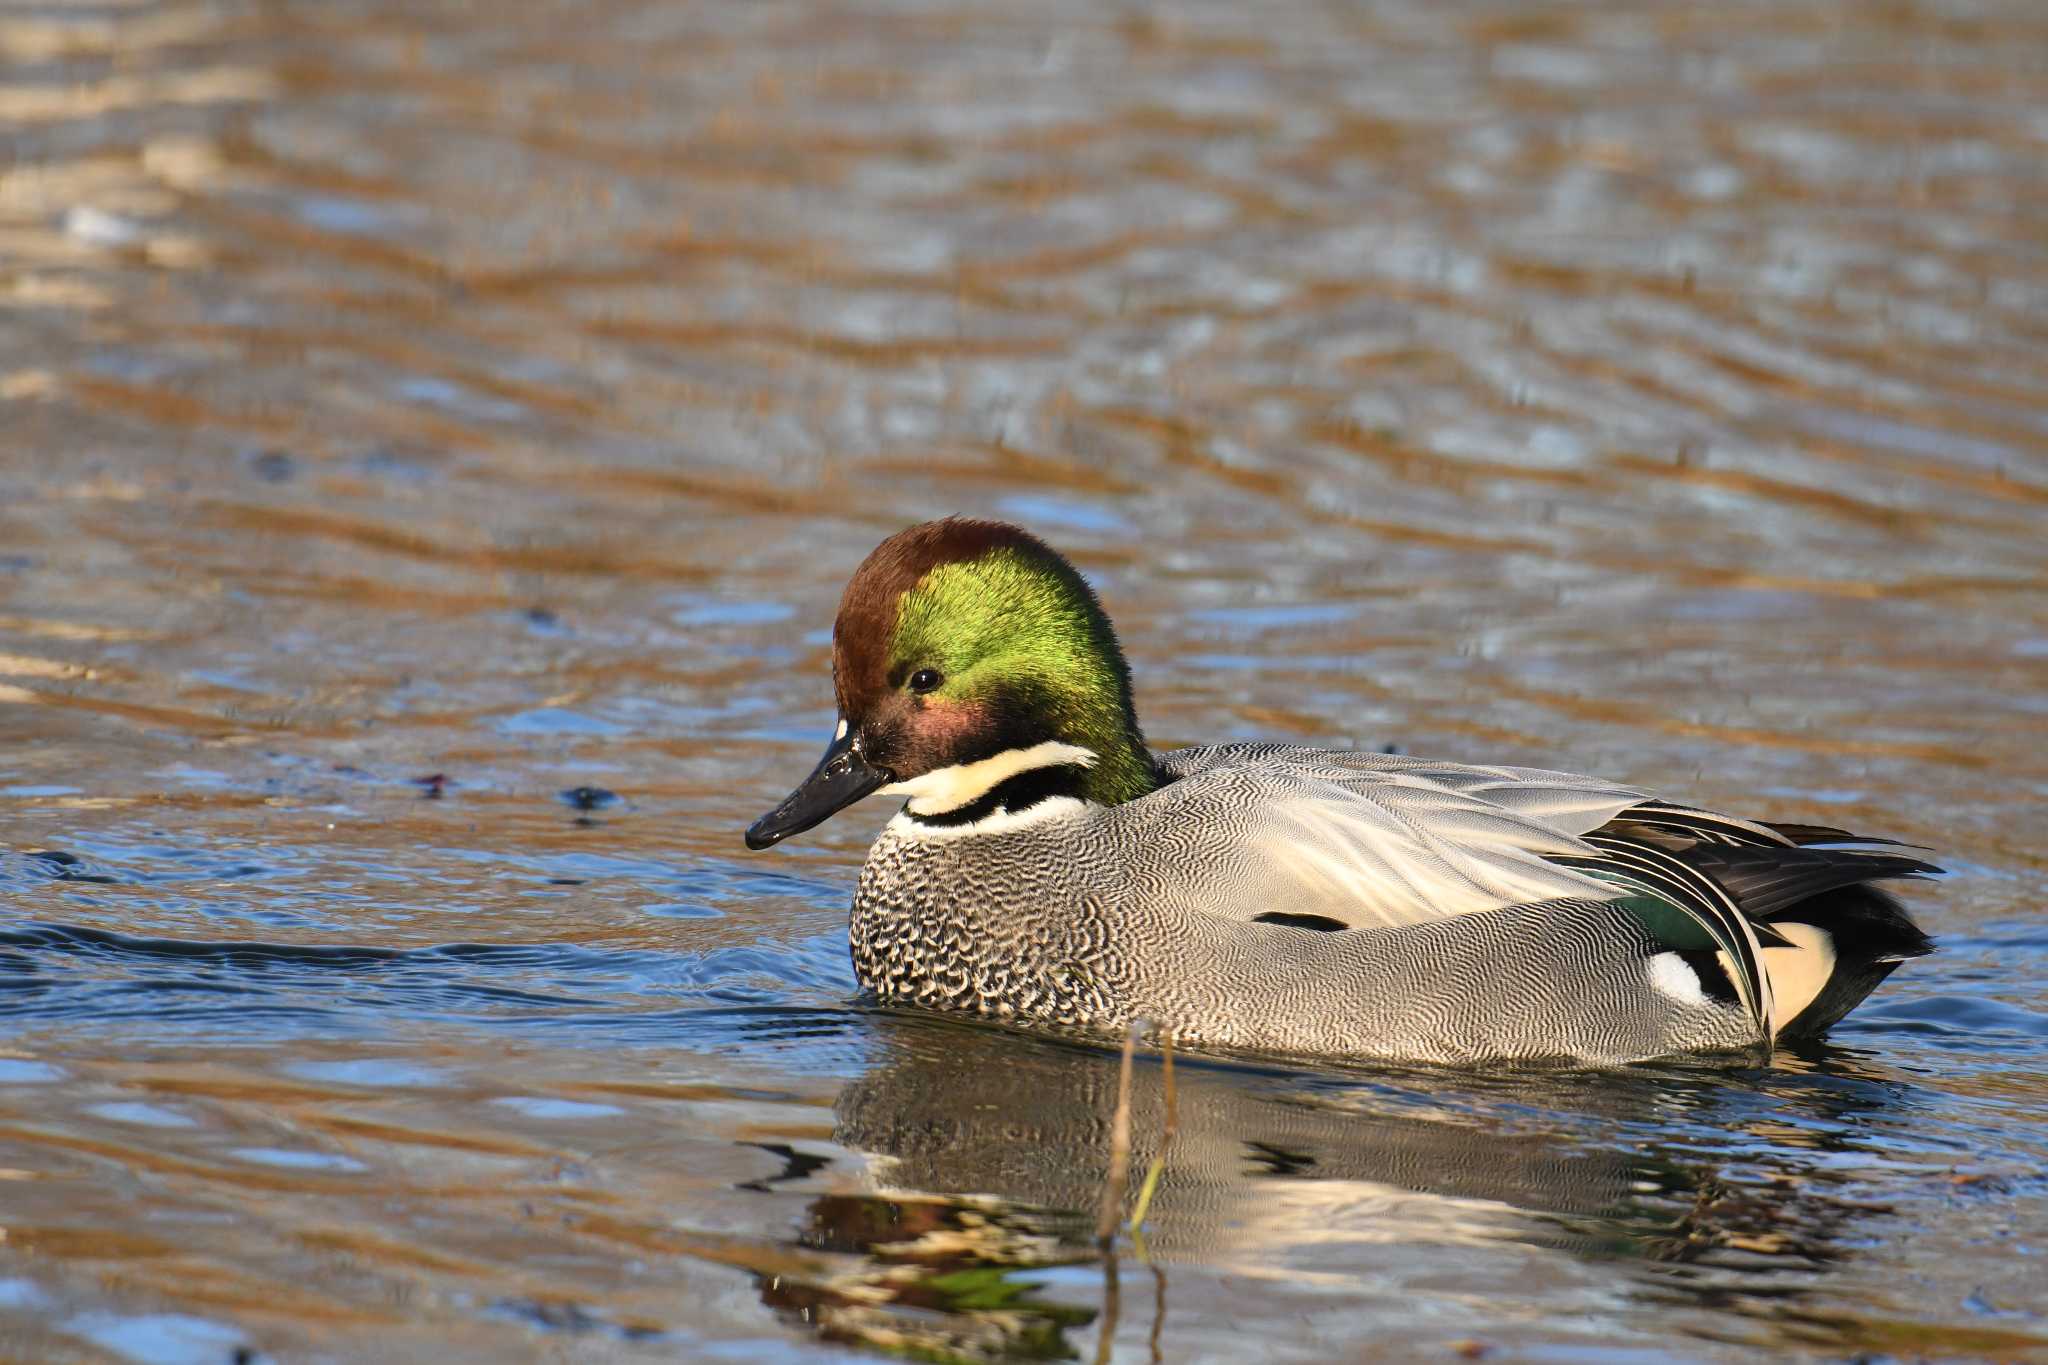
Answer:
(1707, 905)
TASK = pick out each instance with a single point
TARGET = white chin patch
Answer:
(947, 789)
(1674, 976)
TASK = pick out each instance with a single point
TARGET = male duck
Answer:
(1049, 868)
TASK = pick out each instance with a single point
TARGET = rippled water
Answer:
(435, 440)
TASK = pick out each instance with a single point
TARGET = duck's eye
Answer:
(924, 680)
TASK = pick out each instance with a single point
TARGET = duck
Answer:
(1047, 869)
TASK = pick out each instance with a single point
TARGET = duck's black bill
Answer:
(841, 778)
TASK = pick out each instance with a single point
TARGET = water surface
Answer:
(435, 442)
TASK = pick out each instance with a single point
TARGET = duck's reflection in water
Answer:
(987, 1152)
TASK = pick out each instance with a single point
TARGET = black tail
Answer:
(1812, 880)
(1872, 935)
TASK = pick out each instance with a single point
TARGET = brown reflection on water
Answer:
(975, 1201)
(391, 395)
(378, 1199)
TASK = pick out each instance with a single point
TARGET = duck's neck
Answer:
(1020, 779)
(1122, 771)
(1090, 709)
(1021, 797)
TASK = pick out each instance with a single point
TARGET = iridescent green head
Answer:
(968, 654)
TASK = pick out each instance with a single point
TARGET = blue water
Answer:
(436, 444)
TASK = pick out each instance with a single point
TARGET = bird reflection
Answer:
(985, 1157)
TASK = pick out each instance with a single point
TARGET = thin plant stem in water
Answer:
(1158, 1311)
(1105, 1334)
(1158, 1167)
(1119, 1176)
(1113, 1187)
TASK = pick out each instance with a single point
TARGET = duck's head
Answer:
(973, 667)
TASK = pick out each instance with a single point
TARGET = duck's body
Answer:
(1049, 869)
(1222, 909)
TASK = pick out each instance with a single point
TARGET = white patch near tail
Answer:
(1674, 976)
(1797, 973)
